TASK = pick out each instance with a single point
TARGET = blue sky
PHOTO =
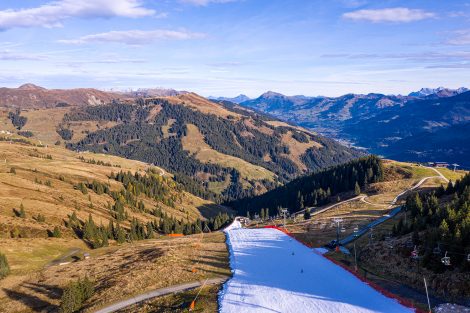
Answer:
(227, 47)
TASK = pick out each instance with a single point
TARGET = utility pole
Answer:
(284, 212)
(337, 221)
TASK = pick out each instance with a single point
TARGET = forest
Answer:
(135, 186)
(316, 189)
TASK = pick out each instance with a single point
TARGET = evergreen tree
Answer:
(357, 189)
(22, 213)
(75, 295)
(307, 214)
(4, 267)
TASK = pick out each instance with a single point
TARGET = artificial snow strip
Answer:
(274, 273)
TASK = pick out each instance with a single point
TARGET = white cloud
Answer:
(205, 2)
(394, 15)
(52, 14)
(135, 37)
(462, 37)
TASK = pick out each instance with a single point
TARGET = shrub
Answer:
(21, 213)
(4, 267)
(56, 233)
(40, 218)
(75, 295)
(27, 134)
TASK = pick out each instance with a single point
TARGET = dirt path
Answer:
(439, 173)
(158, 293)
(63, 258)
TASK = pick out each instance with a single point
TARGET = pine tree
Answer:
(357, 189)
(307, 214)
(4, 267)
(444, 229)
(22, 212)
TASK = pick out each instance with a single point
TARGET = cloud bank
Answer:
(52, 14)
(391, 15)
(135, 37)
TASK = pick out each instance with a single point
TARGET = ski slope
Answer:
(274, 273)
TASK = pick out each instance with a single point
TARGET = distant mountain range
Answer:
(427, 125)
(439, 92)
(238, 99)
(32, 96)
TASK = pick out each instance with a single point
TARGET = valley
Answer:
(423, 126)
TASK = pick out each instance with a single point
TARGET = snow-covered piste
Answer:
(274, 273)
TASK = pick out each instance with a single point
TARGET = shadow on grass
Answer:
(33, 302)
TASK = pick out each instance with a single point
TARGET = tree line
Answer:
(316, 189)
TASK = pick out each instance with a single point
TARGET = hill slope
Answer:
(229, 151)
(32, 96)
(43, 188)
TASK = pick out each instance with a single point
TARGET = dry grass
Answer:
(43, 123)
(450, 174)
(263, 129)
(207, 302)
(55, 202)
(195, 144)
(203, 105)
(219, 187)
(5, 123)
(121, 272)
(297, 149)
(26, 256)
(82, 128)
(166, 128)
(416, 171)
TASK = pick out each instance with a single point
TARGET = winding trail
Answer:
(158, 293)
(364, 197)
(394, 210)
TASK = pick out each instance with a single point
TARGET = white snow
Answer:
(274, 273)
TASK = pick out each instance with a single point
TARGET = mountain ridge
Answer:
(361, 120)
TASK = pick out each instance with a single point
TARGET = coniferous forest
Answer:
(140, 136)
(316, 189)
(440, 221)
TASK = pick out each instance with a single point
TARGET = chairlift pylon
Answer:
(445, 260)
